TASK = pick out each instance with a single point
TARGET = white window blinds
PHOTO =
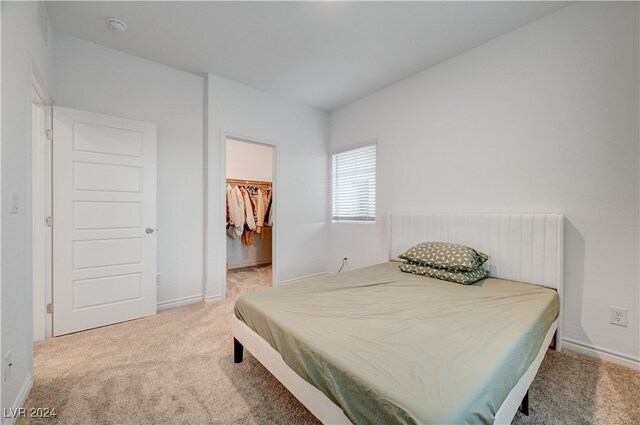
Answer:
(353, 189)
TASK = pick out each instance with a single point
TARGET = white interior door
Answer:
(104, 220)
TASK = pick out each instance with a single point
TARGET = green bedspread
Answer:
(392, 347)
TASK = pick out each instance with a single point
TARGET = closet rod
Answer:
(249, 182)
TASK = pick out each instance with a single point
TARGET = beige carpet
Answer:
(177, 368)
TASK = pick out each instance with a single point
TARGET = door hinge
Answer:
(49, 134)
(49, 308)
(48, 221)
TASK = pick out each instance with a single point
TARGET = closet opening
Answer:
(250, 216)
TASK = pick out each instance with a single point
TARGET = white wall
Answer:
(240, 255)
(98, 79)
(543, 119)
(249, 161)
(301, 183)
(22, 47)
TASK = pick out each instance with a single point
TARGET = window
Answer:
(353, 184)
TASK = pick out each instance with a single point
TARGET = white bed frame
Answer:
(522, 247)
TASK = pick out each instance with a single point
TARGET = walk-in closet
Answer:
(250, 215)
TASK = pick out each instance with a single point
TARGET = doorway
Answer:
(250, 217)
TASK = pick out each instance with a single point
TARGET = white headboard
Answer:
(521, 247)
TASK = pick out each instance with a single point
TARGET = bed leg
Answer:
(237, 351)
(524, 407)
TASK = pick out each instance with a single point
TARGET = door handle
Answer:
(149, 230)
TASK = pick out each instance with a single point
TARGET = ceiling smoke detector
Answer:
(116, 25)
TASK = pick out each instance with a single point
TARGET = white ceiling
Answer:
(323, 54)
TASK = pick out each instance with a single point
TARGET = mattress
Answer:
(392, 347)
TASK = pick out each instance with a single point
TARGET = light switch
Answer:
(13, 209)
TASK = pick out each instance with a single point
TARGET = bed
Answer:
(377, 344)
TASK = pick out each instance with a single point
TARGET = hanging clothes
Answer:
(270, 219)
(257, 199)
(266, 198)
(270, 209)
(248, 209)
(228, 194)
(247, 234)
(247, 237)
(235, 204)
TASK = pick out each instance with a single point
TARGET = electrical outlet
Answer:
(7, 365)
(157, 280)
(618, 316)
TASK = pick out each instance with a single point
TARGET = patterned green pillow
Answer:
(464, 278)
(444, 255)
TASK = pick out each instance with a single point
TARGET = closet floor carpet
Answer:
(177, 368)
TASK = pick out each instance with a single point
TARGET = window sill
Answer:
(352, 222)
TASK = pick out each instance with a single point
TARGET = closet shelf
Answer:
(249, 182)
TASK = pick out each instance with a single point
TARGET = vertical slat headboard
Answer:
(521, 247)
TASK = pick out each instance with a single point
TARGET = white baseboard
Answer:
(284, 282)
(601, 353)
(212, 298)
(250, 264)
(20, 400)
(179, 302)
